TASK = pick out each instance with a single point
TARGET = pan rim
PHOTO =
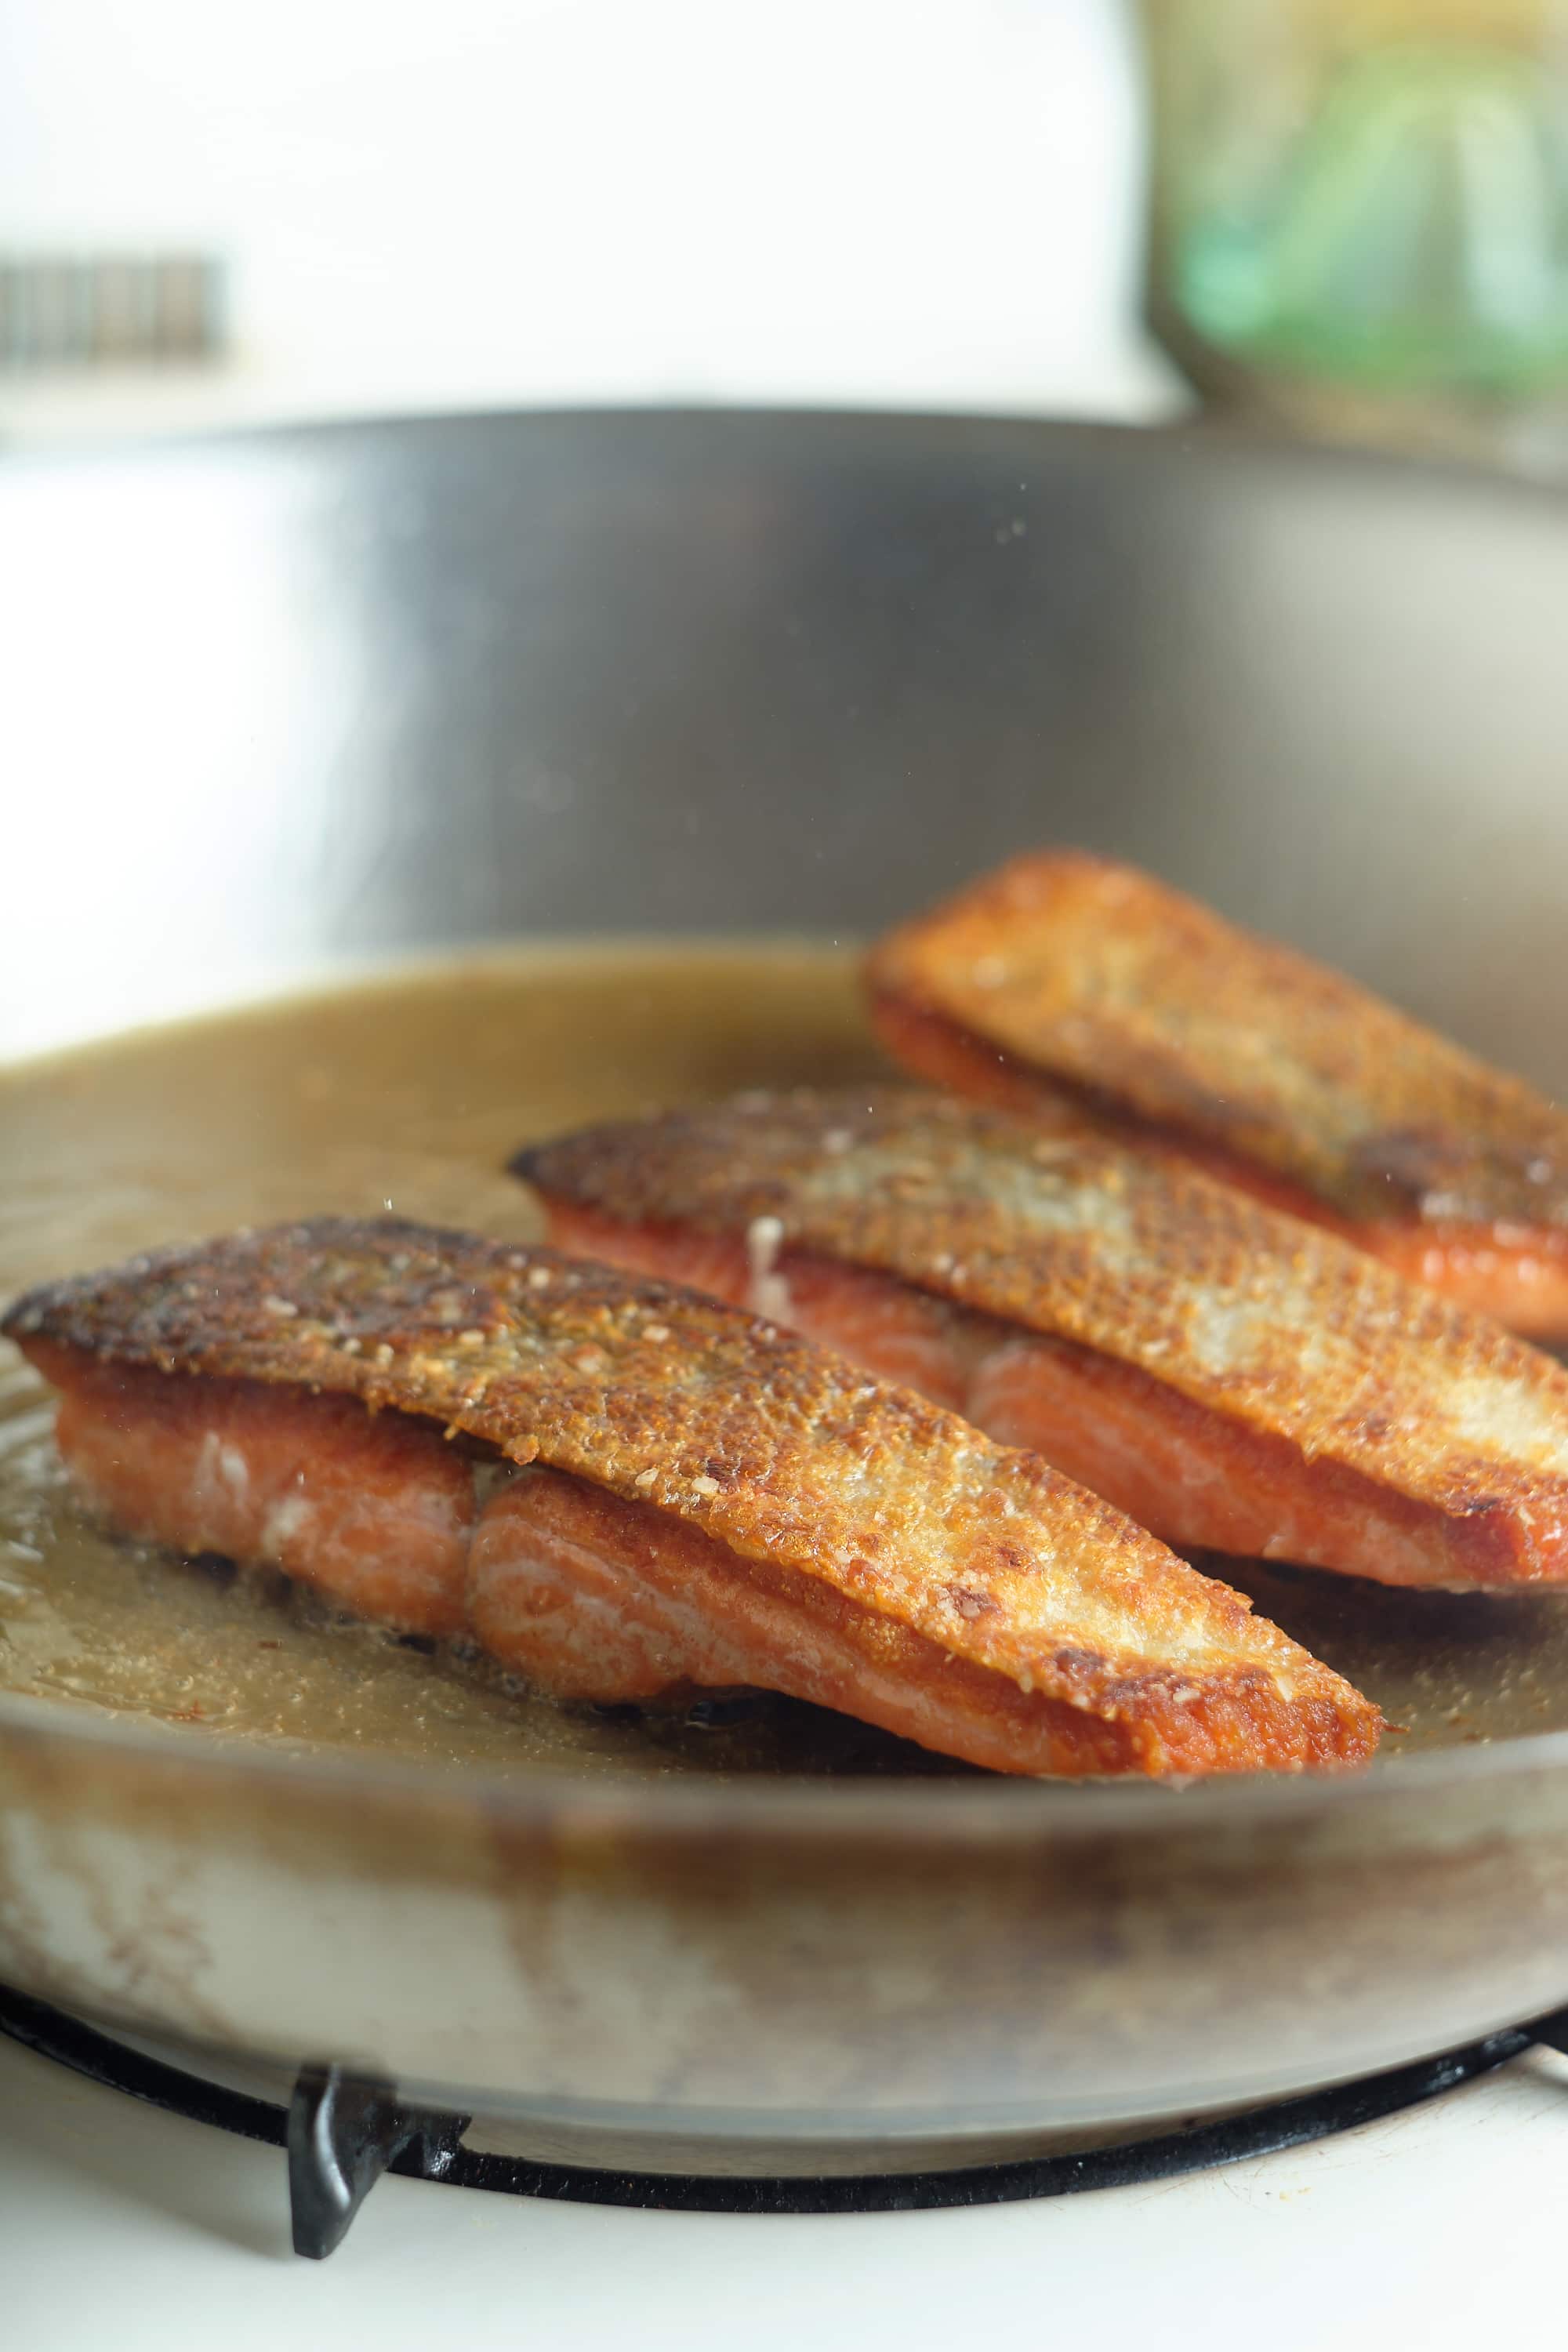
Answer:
(996, 1811)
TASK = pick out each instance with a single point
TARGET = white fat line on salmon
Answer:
(219, 1465)
(768, 1292)
(283, 1522)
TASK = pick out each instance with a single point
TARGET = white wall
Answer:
(438, 201)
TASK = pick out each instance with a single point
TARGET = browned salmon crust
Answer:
(1094, 978)
(1274, 1326)
(1126, 1658)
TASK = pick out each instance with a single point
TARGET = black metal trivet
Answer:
(342, 2132)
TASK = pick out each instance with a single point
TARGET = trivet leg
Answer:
(343, 2133)
(1552, 2030)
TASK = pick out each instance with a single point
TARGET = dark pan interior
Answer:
(284, 699)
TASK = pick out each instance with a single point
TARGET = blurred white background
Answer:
(436, 204)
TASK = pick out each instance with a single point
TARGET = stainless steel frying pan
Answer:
(294, 703)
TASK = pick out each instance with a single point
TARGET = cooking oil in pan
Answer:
(408, 1093)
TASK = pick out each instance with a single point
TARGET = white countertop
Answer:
(123, 2226)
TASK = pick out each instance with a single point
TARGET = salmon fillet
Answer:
(715, 1501)
(1232, 1377)
(374, 1511)
(1083, 992)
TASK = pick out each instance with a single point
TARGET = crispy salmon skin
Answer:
(724, 1502)
(1232, 1377)
(1075, 987)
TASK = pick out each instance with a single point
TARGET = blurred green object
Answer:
(1358, 212)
